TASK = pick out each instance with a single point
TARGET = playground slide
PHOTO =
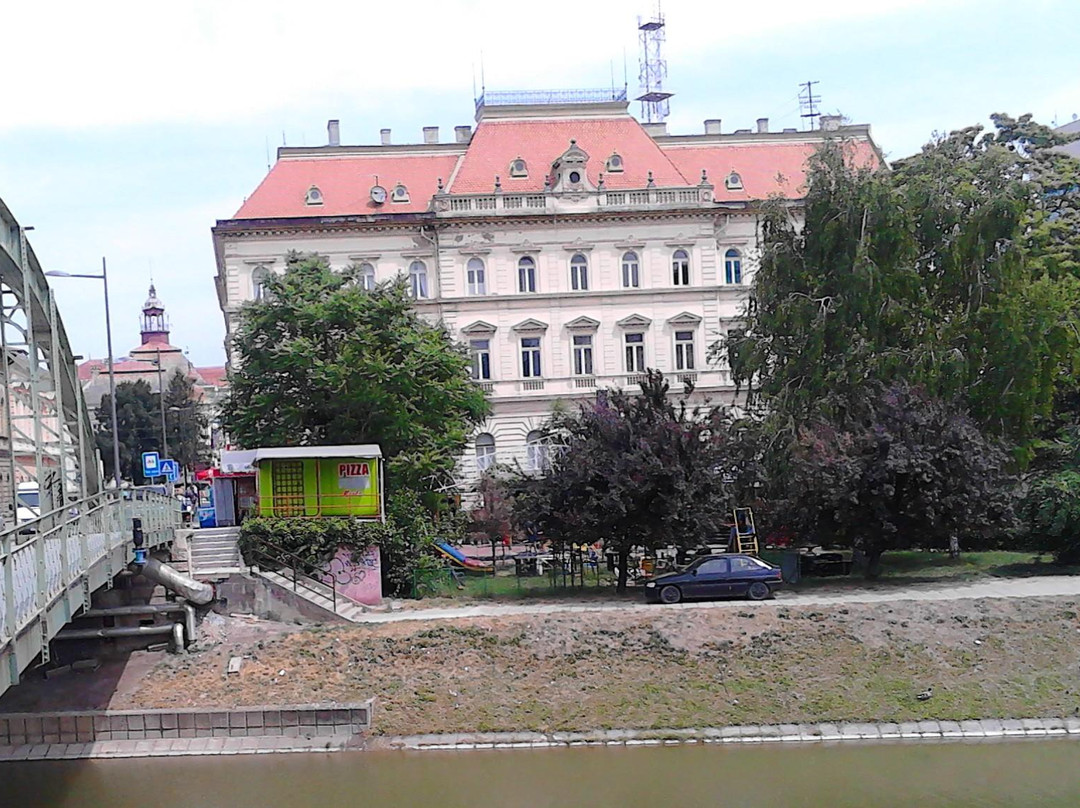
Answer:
(459, 559)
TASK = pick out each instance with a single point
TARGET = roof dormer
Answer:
(568, 172)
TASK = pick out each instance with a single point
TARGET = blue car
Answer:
(718, 576)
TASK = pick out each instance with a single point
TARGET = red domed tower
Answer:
(155, 326)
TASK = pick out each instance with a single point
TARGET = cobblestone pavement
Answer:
(1041, 587)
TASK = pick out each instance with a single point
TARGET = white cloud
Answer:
(116, 63)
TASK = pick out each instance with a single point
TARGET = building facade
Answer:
(567, 245)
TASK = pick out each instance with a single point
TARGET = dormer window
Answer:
(568, 171)
(313, 196)
(733, 182)
(399, 194)
(615, 163)
(518, 168)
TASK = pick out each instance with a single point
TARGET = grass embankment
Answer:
(662, 669)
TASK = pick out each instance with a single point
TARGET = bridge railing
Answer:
(77, 547)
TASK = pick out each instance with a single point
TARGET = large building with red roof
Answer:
(569, 246)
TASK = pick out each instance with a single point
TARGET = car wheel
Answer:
(670, 594)
(758, 591)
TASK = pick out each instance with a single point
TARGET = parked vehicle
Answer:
(28, 507)
(718, 576)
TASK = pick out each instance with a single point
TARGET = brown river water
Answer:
(1025, 773)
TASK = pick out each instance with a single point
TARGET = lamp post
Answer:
(104, 278)
(161, 401)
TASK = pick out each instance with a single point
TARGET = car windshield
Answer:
(31, 499)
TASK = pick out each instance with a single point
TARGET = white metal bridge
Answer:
(50, 565)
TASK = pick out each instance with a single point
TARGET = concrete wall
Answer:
(254, 595)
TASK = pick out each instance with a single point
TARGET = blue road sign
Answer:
(151, 464)
(171, 470)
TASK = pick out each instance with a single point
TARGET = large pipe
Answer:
(189, 621)
(195, 591)
(148, 608)
(114, 631)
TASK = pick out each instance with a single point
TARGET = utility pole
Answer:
(161, 401)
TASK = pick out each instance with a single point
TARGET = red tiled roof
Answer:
(540, 142)
(86, 369)
(345, 183)
(758, 165)
(135, 366)
(213, 376)
(154, 348)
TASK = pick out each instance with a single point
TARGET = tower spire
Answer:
(154, 325)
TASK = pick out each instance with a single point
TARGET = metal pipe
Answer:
(149, 608)
(178, 637)
(189, 621)
(195, 591)
(114, 631)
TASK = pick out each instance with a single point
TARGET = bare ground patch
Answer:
(662, 669)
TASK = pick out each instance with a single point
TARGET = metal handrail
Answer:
(298, 561)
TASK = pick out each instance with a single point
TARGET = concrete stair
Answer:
(214, 552)
(314, 592)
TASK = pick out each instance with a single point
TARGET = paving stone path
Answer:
(1041, 587)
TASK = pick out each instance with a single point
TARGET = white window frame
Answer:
(476, 276)
(526, 266)
(485, 451)
(582, 350)
(579, 273)
(680, 268)
(536, 451)
(480, 349)
(685, 350)
(531, 358)
(418, 280)
(634, 351)
(733, 266)
(631, 270)
(365, 276)
(258, 282)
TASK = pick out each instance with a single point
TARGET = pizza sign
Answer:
(354, 476)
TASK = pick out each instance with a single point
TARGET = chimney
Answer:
(384, 134)
(712, 126)
(431, 134)
(333, 133)
(762, 125)
(655, 129)
(462, 134)
(830, 123)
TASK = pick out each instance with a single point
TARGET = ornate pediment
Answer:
(583, 323)
(634, 321)
(530, 325)
(479, 328)
(685, 318)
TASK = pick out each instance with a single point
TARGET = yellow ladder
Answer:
(745, 533)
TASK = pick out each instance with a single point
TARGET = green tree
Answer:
(631, 471)
(902, 470)
(921, 275)
(186, 423)
(139, 425)
(322, 361)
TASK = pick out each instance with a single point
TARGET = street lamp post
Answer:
(104, 278)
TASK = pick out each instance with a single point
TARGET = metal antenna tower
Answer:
(808, 102)
(653, 69)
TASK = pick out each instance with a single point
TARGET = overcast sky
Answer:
(128, 128)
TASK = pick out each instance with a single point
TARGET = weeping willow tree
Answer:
(929, 274)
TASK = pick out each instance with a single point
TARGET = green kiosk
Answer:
(319, 481)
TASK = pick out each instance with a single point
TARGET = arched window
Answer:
(418, 287)
(680, 268)
(733, 266)
(258, 282)
(631, 271)
(526, 274)
(366, 276)
(579, 273)
(475, 278)
(536, 451)
(485, 451)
